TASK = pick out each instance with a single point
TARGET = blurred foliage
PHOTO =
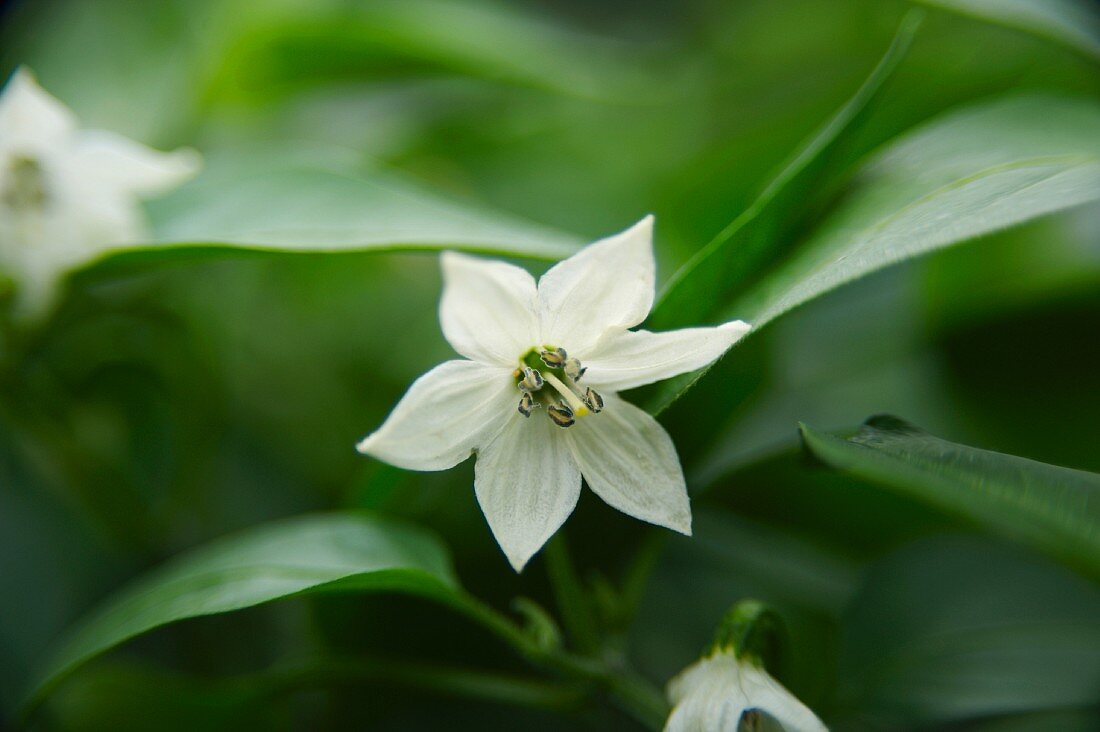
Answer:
(179, 396)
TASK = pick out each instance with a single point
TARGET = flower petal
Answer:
(629, 461)
(608, 285)
(128, 166)
(30, 116)
(712, 694)
(527, 485)
(488, 309)
(633, 358)
(447, 413)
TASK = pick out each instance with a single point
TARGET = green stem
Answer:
(576, 611)
(637, 575)
(631, 693)
(640, 699)
(446, 680)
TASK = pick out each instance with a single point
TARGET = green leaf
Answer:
(1054, 509)
(295, 207)
(969, 173)
(740, 248)
(972, 172)
(326, 552)
(1069, 22)
(498, 41)
(951, 631)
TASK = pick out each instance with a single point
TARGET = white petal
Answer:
(629, 461)
(633, 358)
(713, 693)
(127, 166)
(608, 285)
(488, 309)
(447, 413)
(527, 484)
(31, 117)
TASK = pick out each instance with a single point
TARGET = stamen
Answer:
(575, 404)
(526, 404)
(561, 415)
(531, 381)
(593, 400)
(555, 358)
(574, 370)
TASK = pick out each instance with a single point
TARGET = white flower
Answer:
(719, 693)
(67, 195)
(537, 400)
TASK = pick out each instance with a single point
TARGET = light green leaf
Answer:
(499, 41)
(969, 173)
(296, 207)
(972, 172)
(326, 552)
(1069, 22)
(739, 249)
(1051, 508)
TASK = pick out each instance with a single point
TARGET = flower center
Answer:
(25, 188)
(564, 401)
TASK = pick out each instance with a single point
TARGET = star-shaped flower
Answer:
(537, 402)
(721, 693)
(67, 195)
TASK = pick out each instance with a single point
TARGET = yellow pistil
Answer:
(579, 408)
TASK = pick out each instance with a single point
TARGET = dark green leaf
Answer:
(326, 552)
(952, 631)
(1052, 508)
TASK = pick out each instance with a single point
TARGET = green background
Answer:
(173, 399)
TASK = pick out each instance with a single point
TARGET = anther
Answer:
(555, 359)
(561, 415)
(574, 370)
(527, 403)
(593, 401)
(531, 381)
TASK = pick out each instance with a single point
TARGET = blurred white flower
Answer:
(66, 194)
(537, 400)
(720, 693)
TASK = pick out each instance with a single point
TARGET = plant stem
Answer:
(576, 611)
(451, 681)
(631, 693)
(637, 575)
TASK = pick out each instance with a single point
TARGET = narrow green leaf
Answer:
(1051, 508)
(975, 171)
(1069, 22)
(326, 552)
(740, 248)
(304, 208)
(969, 173)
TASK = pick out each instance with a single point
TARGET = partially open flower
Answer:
(721, 693)
(66, 194)
(528, 346)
